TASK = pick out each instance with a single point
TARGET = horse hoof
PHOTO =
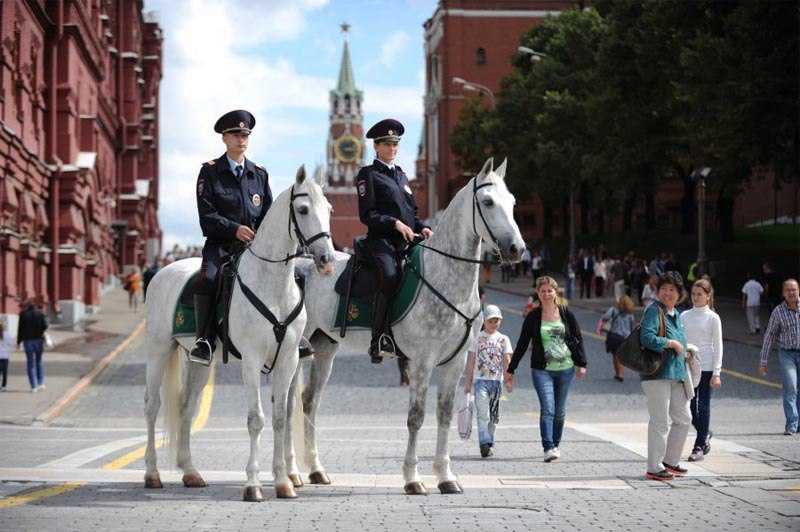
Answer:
(285, 491)
(450, 487)
(297, 480)
(253, 494)
(194, 480)
(319, 477)
(153, 482)
(415, 488)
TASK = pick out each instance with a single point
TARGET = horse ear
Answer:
(501, 170)
(301, 174)
(488, 166)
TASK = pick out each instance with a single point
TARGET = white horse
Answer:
(481, 211)
(267, 270)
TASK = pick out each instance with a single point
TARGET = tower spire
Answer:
(347, 84)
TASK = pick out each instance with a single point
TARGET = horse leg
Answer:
(280, 391)
(251, 377)
(196, 379)
(312, 395)
(420, 379)
(289, 452)
(156, 365)
(448, 380)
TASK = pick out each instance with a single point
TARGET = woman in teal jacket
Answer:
(667, 403)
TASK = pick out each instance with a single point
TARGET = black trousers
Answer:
(214, 256)
(4, 371)
(384, 253)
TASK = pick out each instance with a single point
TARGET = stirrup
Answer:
(195, 353)
(386, 347)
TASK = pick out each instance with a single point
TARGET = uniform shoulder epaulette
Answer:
(212, 162)
(260, 167)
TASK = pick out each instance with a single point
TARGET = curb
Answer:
(578, 305)
(65, 400)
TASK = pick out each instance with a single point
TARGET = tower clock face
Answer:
(347, 149)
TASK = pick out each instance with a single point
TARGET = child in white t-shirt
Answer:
(751, 301)
(487, 361)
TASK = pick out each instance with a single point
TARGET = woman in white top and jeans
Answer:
(703, 328)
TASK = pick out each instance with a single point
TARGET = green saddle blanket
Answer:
(359, 313)
(184, 322)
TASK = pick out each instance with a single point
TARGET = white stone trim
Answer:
(501, 13)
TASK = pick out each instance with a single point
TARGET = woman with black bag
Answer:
(667, 403)
(620, 322)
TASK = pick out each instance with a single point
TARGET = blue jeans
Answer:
(552, 387)
(701, 408)
(487, 409)
(33, 354)
(790, 367)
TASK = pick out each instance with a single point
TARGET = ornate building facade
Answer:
(345, 151)
(79, 83)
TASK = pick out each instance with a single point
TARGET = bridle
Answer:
(476, 206)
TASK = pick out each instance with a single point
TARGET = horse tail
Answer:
(173, 388)
(298, 415)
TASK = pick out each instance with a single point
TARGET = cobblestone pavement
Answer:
(68, 475)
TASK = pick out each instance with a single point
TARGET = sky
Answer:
(278, 59)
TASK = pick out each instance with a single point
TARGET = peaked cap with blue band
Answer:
(235, 122)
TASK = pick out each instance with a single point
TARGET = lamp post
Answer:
(472, 86)
(700, 175)
(535, 56)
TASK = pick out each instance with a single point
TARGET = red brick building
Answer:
(345, 152)
(79, 83)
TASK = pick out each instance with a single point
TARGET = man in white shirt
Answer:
(751, 301)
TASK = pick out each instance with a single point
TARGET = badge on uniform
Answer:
(407, 189)
(362, 188)
(256, 200)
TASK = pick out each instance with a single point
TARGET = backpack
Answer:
(633, 355)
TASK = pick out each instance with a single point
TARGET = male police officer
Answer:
(386, 206)
(233, 195)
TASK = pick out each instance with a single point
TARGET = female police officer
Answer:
(386, 206)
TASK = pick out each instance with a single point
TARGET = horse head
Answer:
(311, 214)
(493, 212)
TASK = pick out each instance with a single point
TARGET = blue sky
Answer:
(277, 59)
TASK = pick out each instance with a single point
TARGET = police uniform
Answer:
(384, 196)
(225, 201)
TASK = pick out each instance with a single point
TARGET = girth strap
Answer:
(278, 328)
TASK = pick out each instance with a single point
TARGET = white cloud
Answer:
(393, 46)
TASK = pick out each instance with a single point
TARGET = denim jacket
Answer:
(674, 366)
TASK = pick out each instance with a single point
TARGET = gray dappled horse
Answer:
(432, 331)
(266, 272)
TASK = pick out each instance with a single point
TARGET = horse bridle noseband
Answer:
(476, 205)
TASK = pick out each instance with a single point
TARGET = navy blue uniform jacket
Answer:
(384, 196)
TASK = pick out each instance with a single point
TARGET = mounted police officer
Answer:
(233, 195)
(386, 206)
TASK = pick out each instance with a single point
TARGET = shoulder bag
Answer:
(633, 355)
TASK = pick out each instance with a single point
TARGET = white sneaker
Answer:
(697, 455)
(550, 455)
(556, 452)
(34, 390)
(42, 387)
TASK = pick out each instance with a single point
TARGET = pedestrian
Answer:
(133, 285)
(751, 302)
(586, 272)
(487, 361)
(526, 261)
(667, 402)
(488, 259)
(537, 265)
(30, 333)
(148, 275)
(649, 291)
(772, 286)
(6, 347)
(703, 329)
(600, 276)
(618, 273)
(557, 356)
(784, 326)
(532, 303)
(569, 275)
(638, 274)
(621, 322)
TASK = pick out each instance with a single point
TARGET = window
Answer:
(480, 56)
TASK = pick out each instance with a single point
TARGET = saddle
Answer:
(358, 283)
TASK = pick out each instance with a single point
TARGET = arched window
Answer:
(480, 56)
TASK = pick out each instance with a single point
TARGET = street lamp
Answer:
(700, 176)
(472, 86)
(535, 56)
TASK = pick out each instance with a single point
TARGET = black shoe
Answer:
(306, 349)
(201, 352)
(486, 451)
(618, 378)
(374, 355)
(707, 446)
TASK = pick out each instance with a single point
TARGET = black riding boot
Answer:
(382, 344)
(203, 347)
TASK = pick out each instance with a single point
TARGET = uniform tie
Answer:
(239, 170)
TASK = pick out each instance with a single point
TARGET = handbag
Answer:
(633, 355)
(48, 341)
(464, 411)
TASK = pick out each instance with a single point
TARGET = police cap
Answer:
(386, 130)
(235, 122)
